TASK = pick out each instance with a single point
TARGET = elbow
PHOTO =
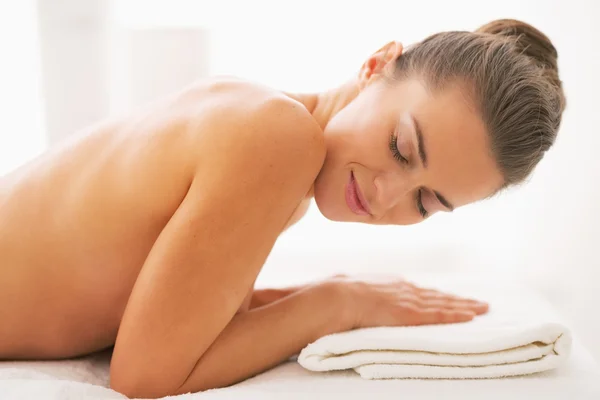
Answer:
(135, 381)
(131, 382)
(131, 388)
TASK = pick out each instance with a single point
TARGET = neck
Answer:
(325, 105)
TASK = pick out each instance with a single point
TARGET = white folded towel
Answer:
(453, 351)
(518, 336)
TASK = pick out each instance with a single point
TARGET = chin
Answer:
(328, 203)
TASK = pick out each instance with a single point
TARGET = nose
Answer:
(391, 189)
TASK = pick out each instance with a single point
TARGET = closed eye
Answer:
(424, 213)
(398, 156)
(394, 149)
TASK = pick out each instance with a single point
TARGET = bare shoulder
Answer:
(246, 108)
(250, 124)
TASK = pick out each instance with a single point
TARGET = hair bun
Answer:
(531, 42)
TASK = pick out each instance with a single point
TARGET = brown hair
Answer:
(511, 73)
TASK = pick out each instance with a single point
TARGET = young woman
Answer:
(148, 232)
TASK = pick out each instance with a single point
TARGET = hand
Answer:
(396, 302)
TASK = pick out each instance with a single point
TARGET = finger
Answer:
(447, 303)
(436, 303)
(445, 316)
(408, 284)
(411, 298)
(429, 292)
(436, 295)
(477, 307)
(340, 276)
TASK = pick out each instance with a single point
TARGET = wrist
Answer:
(339, 296)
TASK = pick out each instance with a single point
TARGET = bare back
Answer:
(77, 224)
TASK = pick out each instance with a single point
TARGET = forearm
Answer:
(262, 297)
(264, 337)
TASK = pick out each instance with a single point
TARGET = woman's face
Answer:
(397, 154)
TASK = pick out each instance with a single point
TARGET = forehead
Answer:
(460, 163)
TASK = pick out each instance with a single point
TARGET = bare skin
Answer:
(123, 236)
(78, 224)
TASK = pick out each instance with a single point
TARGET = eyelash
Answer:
(422, 209)
(402, 159)
(394, 149)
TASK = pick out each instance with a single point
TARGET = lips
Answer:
(354, 198)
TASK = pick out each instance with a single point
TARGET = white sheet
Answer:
(87, 378)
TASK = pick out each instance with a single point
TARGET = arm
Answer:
(293, 317)
(266, 336)
(262, 297)
(210, 252)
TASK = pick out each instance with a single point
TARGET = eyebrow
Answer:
(421, 145)
(423, 157)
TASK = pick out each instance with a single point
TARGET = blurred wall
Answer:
(22, 133)
(93, 67)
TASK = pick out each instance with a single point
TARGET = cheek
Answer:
(365, 144)
(358, 121)
(404, 213)
(404, 217)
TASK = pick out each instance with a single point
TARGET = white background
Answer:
(68, 63)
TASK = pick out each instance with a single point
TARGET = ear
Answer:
(376, 64)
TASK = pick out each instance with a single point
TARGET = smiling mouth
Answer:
(354, 198)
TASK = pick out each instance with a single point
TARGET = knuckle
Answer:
(406, 284)
(452, 316)
(412, 298)
(406, 310)
(433, 314)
